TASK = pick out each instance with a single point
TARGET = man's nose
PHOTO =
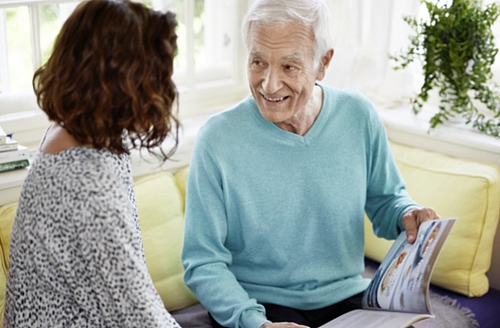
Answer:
(272, 81)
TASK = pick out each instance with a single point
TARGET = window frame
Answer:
(199, 96)
(196, 102)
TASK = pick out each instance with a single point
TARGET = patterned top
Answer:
(76, 256)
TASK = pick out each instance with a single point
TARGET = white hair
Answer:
(313, 13)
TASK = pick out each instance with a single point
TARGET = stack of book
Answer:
(12, 155)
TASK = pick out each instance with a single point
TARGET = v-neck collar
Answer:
(310, 135)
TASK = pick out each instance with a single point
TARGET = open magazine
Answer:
(398, 295)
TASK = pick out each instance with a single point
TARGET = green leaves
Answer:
(456, 46)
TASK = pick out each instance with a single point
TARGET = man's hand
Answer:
(282, 325)
(414, 217)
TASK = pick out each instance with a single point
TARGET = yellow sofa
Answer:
(458, 188)
(454, 187)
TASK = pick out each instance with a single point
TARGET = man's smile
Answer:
(274, 99)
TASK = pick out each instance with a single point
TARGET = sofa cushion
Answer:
(7, 214)
(459, 188)
(181, 182)
(160, 207)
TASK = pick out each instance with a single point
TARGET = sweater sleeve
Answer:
(387, 199)
(205, 257)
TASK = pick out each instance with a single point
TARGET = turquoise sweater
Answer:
(274, 217)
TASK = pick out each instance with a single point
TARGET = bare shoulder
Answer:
(57, 139)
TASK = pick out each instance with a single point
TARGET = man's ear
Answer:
(325, 62)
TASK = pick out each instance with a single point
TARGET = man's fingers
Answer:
(411, 231)
(426, 214)
(414, 217)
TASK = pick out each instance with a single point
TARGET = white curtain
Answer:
(365, 33)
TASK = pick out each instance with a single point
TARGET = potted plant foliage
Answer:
(456, 47)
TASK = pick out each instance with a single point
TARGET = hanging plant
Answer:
(456, 47)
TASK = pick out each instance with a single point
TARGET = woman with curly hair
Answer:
(76, 256)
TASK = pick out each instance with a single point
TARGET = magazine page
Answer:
(375, 319)
(401, 282)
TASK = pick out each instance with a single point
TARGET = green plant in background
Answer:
(456, 47)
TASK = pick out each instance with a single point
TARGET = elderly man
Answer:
(279, 184)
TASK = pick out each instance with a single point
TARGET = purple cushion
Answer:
(195, 316)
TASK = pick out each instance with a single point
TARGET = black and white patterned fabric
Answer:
(76, 256)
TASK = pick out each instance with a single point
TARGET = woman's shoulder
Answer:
(80, 169)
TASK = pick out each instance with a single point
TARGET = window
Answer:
(22, 49)
(418, 78)
(455, 139)
(364, 36)
(208, 68)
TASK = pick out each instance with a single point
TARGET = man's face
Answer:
(281, 70)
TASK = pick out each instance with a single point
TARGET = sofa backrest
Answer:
(454, 187)
(160, 202)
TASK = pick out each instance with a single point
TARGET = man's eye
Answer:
(290, 67)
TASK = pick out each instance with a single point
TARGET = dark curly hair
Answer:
(110, 73)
